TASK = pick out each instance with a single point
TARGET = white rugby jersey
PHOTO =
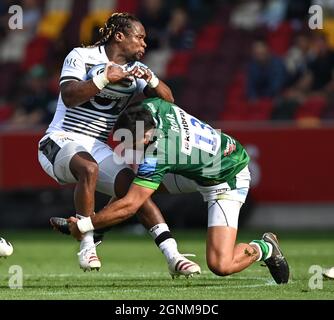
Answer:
(94, 118)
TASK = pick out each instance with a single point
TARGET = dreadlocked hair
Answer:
(117, 22)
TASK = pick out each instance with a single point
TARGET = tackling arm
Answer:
(162, 91)
(122, 209)
(114, 212)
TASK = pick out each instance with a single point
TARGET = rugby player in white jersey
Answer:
(75, 150)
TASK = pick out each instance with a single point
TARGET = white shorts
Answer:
(56, 160)
(224, 204)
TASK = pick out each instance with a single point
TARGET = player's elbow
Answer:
(170, 97)
(67, 99)
(67, 93)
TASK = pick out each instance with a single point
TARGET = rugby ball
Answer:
(121, 88)
(6, 248)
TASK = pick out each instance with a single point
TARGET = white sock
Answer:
(168, 246)
(258, 250)
(88, 237)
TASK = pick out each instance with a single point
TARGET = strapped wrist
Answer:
(85, 225)
(154, 82)
(100, 80)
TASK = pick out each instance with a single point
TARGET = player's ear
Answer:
(148, 136)
(119, 36)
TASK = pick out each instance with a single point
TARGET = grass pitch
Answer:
(133, 268)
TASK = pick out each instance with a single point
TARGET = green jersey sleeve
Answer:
(150, 173)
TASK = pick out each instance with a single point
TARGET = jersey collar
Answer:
(103, 52)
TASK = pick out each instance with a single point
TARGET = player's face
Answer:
(134, 42)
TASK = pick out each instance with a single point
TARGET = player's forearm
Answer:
(75, 93)
(114, 213)
(162, 91)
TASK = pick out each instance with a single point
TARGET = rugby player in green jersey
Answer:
(175, 142)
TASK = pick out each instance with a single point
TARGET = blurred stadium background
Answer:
(252, 68)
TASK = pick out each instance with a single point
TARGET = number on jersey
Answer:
(196, 134)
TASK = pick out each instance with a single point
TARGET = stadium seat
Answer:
(260, 110)
(237, 89)
(279, 39)
(209, 38)
(313, 108)
(178, 64)
(98, 12)
(130, 6)
(236, 111)
(36, 52)
(71, 33)
(9, 72)
(329, 30)
(5, 113)
(57, 14)
(328, 112)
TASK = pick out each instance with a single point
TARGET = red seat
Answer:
(6, 112)
(235, 111)
(260, 110)
(36, 52)
(237, 89)
(313, 107)
(209, 38)
(178, 64)
(279, 40)
(130, 6)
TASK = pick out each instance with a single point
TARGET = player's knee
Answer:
(220, 267)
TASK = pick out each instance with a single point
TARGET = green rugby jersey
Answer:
(189, 147)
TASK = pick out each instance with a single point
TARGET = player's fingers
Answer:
(144, 71)
(147, 74)
(109, 65)
(134, 70)
(138, 72)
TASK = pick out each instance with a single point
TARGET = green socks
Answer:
(265, 249)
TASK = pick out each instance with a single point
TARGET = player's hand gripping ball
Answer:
(6, 248)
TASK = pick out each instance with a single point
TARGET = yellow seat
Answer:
(329, 30)
(52, 24)
(93, 19)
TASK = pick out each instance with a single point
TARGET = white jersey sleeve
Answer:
(73, 67)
